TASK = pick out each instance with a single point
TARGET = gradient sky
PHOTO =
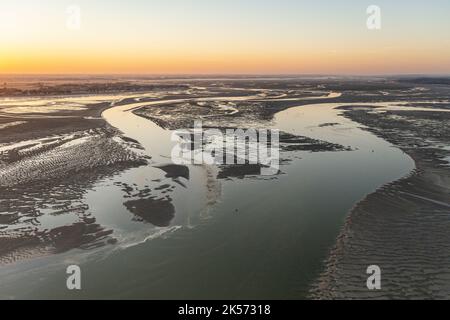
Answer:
(225, 36)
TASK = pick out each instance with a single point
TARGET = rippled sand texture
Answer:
(42, 183)
(54, 157)
(80, 178)
(404, 227)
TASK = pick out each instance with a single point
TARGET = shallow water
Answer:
(250, 238)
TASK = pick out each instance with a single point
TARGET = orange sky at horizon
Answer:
(327, 63)
(214, 39)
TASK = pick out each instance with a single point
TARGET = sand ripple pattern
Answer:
(408, 237)
(42, 185)
(61, 156)
(404, 227)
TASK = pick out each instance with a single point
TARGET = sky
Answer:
(224, 37)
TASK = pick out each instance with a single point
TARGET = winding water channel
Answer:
(244, 238)
(260, 238)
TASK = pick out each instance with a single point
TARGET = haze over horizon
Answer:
(180, 37)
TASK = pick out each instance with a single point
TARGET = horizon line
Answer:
(292, 75)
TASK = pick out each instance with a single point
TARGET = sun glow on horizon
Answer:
(188, 37)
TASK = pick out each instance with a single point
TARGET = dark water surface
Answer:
(245, 238)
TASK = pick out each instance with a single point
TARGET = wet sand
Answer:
(112, 193)
(47, 162)
(404, 226)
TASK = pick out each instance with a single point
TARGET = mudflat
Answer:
(86, 176)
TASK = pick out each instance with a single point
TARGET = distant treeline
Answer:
(86, 88)
(426, 80)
